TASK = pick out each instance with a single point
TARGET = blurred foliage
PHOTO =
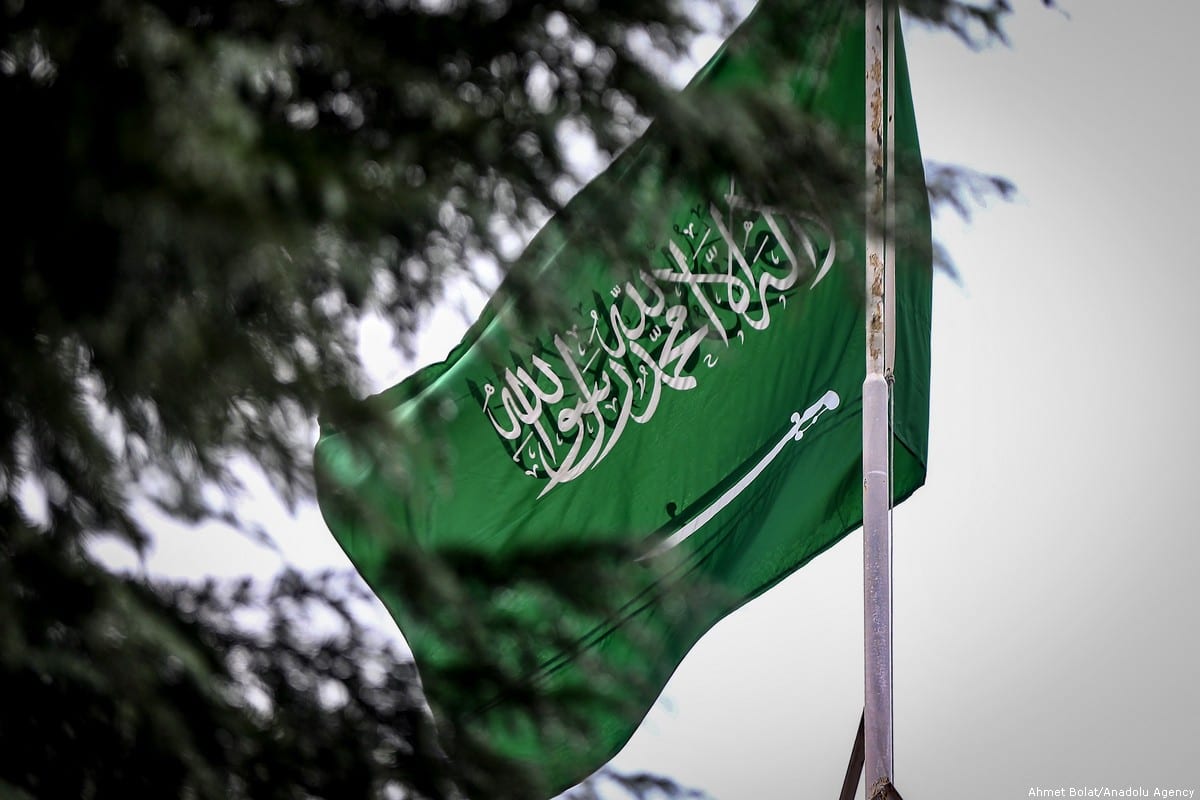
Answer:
(118, 689)
(202, 202)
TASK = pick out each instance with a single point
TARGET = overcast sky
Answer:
(1047, 621)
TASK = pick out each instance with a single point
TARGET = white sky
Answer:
(1047, 623)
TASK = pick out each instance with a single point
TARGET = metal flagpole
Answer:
(877, 566)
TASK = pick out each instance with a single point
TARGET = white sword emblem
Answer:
(800, 424)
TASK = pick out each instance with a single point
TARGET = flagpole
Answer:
(877, 566)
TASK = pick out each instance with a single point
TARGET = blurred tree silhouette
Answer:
(203, 200)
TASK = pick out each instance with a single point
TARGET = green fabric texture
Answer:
(701, 409)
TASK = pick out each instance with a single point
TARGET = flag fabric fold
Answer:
(577, 502)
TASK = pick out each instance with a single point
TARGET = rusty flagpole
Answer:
(877, 435)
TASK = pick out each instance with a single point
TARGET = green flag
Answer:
(577, 501)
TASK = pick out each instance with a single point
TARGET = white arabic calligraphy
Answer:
(564, 418)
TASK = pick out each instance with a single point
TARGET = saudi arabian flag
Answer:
(574, 502)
